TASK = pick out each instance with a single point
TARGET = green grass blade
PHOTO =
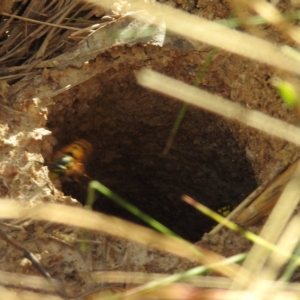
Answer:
(185, 105)
(293, 264)
(95, 185)
(234, 227)
(160, 283)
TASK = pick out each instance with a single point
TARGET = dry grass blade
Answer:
(209, 32)
(165, 282)
(241, 207)
(26, 282)
(263, 204)
(40, 22)
(275, 224)
(6, 294)
(270, 246)
(8, 23)
(17, 294)
(218, 294)
(288, 241)
(135, 278)
(116, 227)
(41, 52)
(93, 221)
(26, 295)
(182, 91)
(173, 291)
(270, 13)
(264, 283)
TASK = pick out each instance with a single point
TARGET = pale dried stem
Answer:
(200, 29)
(218, 105)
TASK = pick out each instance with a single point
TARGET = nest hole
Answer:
(128, 127)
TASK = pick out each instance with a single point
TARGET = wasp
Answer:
(68, 164)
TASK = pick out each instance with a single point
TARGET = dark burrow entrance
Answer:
(128, 127)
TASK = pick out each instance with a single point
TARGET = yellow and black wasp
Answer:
(68, 164)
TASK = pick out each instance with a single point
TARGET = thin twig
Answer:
(40, 22)
(34, 261)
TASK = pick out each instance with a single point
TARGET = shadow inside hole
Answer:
(128, 127)
(204, 162)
